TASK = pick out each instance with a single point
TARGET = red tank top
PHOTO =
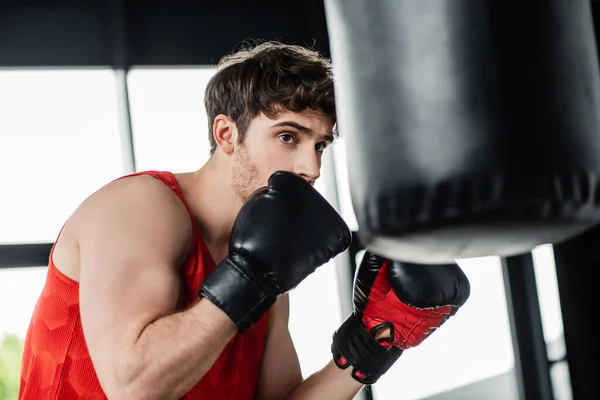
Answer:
(57, 365)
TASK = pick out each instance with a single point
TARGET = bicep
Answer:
(280, 371)
(128, 277)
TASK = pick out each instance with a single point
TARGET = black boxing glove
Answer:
(282, 234)
(410, 301)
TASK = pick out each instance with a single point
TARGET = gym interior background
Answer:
(91, 90)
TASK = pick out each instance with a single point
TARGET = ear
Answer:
(224, 133)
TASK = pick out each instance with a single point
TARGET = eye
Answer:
(321, 146)
(287, 138)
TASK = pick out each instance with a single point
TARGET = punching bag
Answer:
(472, 126)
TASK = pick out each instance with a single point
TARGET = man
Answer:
(165, 286)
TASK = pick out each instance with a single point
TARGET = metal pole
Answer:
(120, 40)
(531, 358)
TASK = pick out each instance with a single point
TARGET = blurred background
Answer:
(92, 90)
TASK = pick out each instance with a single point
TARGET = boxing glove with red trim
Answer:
(400, 304)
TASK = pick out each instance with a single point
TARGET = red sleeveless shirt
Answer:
(57, 365)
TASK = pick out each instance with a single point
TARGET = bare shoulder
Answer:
(141, 204)
(140, 211)
(136, 190)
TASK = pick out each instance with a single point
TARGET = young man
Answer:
(165, 286)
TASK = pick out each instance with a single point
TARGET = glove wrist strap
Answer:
(243, 296)
(353, 346)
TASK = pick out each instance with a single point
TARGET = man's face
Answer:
(290, 142)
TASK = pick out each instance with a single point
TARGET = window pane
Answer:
(315, 313)
(343, 183)
(168, 118)
(547, 286)
(59, 142)
(19, 292)
(552, 323)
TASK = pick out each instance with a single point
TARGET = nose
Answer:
(308, 166)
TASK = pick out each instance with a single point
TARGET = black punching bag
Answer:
(472, 126)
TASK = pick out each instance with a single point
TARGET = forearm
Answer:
(173, 353)
(331, 383)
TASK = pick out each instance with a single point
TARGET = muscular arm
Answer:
(133, 236)
(280, 375)
(280, 370)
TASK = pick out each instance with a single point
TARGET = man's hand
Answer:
(396, 306)
(282, 234)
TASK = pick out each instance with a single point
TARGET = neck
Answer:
(213, 204)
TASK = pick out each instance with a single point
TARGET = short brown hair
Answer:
(267, 78)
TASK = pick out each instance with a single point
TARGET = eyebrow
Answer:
(301, 128)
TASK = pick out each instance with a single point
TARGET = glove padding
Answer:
(409, 300)
(282, 234)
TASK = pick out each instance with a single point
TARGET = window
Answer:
(59, 142)
(343, 183)
(547, 287)
(315, 314)
(19, 292)
(549, 298)
(20, 289)
(169, 121)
